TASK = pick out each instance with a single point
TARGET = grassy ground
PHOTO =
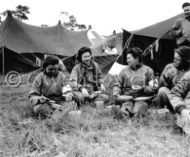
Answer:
(92, 135)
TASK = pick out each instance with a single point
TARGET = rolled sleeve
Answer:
(118, 85)
(35, 91)
(163, 81)
(176, 29)
(149, 89)
(74, 79)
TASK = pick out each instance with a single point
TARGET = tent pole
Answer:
(126, 45)
(3, 61)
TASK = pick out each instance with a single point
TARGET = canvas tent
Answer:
(111, 48)
(105, 59)
(156, 41)
(158, 30)
(21, 45)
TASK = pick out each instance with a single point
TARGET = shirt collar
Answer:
(135, 67)
(87, 67)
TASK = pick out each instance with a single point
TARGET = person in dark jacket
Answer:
(171, 75)
(180, 101)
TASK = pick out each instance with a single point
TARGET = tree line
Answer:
(21, 13)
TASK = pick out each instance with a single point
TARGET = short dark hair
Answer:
(135, 52)
(184, 53)
(50, 60)
(81, 51)
(185, 4)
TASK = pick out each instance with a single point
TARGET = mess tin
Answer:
(127, 98)
(142, 98)
(124, 98)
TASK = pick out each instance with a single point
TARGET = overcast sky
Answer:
(103, 15)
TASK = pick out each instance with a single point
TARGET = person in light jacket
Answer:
(47, 87)
(133, 81)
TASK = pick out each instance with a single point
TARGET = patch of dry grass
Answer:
(93, 134)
